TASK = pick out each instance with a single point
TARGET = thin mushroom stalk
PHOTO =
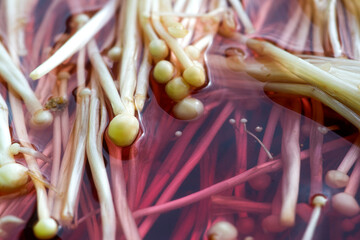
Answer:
(95, 131)
(318, 202)
(124, 127)
(17, 81)
(46, 227)
(77, 164)
(77, 41)
(13, 176)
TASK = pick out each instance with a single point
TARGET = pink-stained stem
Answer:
(338, 178)
(354, 180)
(349, 224)
(188, 167)
(207, 174)
(150, 155)
(350, 157)
(269, 133)
(290, 154)
(241, 160)
(272, 223)
(86, 207)
(170, 164)
(133, 176)
(123, 211)
(186, 223)
(316, 142)
(239, 204)
(267, 167)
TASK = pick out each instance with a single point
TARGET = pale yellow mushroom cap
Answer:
(13, 176)
(158, 49)
(336, 179)
(45, 228)
(123, 129)
(194, 75)
(115, 53)
(177, 89)
(188, 109)
(163, 71)
(41, 119)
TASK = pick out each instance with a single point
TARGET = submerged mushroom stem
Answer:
(290, 154)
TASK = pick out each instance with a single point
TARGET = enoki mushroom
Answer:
(191, 119)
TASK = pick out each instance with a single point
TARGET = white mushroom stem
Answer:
(17, 81)
(157, 47)
(115, 52)
(46, 227)
(196, 48)
(290, 155)
(124, 127)
(77, 41)
(143, 80)
(313, 92)
(171, 22)
(96, 129)
(193, 7)
(244, 18)
(318, 202)
(345, 92)
(244, 121)
(105, 79)
(77, 165)
(344, 202)
(338, 178)
(16, 149)
(128, 71)
(13, 176)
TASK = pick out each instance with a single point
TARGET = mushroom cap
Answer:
(345, 204)
(336, 179)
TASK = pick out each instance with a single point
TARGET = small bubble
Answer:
(258, 129)
(178, 133)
